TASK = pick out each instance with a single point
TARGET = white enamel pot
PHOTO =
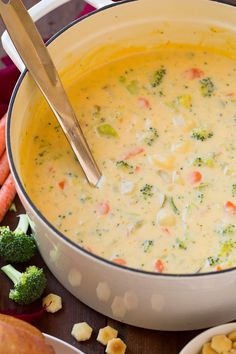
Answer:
(150, 300)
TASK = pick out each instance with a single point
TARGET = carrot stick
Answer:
(4, 168)
(7, 195)
(2, 134)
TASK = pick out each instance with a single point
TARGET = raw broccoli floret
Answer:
(28, 286)
(16, 246)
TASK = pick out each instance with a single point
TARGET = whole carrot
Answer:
(7, 195)
(4, 168)
(2, 134)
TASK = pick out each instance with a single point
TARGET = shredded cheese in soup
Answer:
(162, 128)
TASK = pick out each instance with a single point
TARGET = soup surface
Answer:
(162, 127)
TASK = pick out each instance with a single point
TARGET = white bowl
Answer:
(195, 345)
(61, 347)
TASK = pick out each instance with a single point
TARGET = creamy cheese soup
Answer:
(162, 128)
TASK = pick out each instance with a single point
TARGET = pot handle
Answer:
(39, 10)
(100, 3)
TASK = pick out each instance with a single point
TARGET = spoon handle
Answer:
(35, 55)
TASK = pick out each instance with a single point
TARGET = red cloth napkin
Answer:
(9, 74)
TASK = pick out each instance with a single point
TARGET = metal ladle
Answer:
(36, 58)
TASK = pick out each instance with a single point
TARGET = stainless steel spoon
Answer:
(35, 55)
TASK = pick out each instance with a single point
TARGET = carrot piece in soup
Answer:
(119, 261)
(159, 266)
(61, 184)
(230, 207)
(143, 102)
(104, 208)
(230, 94)
(7, 195)
(193, 73)
(136, 151)
(2, 134)
(166, 230)
(195, 177)
(4, 168)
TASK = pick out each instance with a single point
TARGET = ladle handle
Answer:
(35, 55)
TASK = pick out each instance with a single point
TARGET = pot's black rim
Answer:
(57, 232)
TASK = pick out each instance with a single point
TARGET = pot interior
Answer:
(129, 28)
